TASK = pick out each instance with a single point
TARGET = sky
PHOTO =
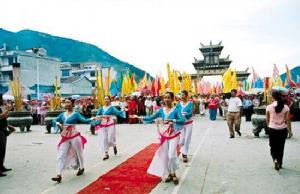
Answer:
(151, 33)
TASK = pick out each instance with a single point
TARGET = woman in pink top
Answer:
(277, 117)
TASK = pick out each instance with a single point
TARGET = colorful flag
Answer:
(289, 80)
(227, 77)
(254, 76)
(275, 71)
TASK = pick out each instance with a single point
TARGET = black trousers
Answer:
(248, 113)
(276, 141)
(3, 139)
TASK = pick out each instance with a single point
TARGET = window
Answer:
(10, 60)
(65, 73)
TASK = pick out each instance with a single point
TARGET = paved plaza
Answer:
(217, 164)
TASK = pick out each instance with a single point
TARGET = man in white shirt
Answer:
(149, 106)
(233, 115)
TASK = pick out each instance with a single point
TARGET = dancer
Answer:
(186, 108)
(165, 160)
(107, 134)
(72, 143)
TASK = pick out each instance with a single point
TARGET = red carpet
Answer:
(129, 177)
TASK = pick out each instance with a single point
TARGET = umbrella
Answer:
(136, 94)
(297, 91)
(279, 88)
(255, 90)
(7, 97)
(75, 97)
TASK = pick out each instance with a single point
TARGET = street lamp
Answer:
(36, 51)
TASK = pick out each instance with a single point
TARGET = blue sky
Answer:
(151, 33)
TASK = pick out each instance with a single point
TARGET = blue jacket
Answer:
(173, 114)
(188, 108)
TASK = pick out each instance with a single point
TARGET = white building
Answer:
(76, 86)
(87, 69)
(33, 68)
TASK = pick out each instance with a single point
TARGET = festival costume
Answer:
(165, 160)
(70, 147)
(186, 132)
(106, 128)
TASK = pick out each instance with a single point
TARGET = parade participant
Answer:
(71, 145)
(165, 160)
(186, 108)
(107, 129)
(213, 107)
(277, 117)
(233, 115)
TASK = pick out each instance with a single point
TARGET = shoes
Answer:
(169, 179)
(2, 175)
(6, 169)
(175, 180)
(57, 178)
(231, 136)
(256, 134)
(106, 157)
(276, 165)
(290, 135)
(239, 133)
(115, 150)
(185, 159)
(80, 172)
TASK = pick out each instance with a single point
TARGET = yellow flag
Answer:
(235, 83)
(227, 81)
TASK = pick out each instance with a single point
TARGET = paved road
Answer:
(218, 165)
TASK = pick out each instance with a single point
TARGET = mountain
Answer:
(66, 49)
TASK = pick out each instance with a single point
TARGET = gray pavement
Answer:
(217, 164)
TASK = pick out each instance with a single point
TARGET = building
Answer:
(213, 64)
(76, 86)
(32, 67)
(87, 69)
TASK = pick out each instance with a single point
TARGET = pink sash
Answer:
(106, 122)
(188, 122)
(67, 135)
(166, 135)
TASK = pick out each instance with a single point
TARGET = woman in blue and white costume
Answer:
(186, 108)
(165, 161)
(70, 147)
(106, 127)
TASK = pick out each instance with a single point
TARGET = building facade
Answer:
(87, 69)
(32, 67)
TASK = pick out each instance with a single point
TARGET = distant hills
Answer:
(66, 49)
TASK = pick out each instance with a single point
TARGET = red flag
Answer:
(289, 78)
(153, 87)
(157, 86)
